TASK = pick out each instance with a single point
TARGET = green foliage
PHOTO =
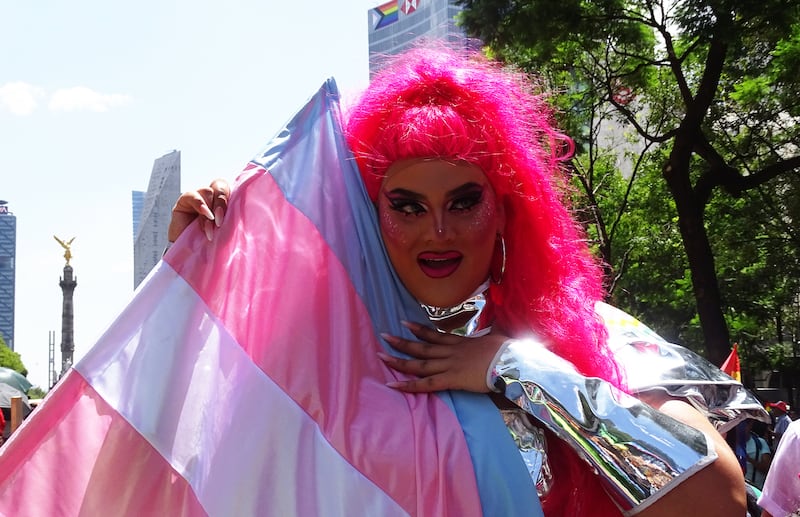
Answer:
(11, 359)
(787, 56)
(36, 393)
(751, 91)
(703, 230)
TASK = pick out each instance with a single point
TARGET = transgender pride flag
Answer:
(243, 378)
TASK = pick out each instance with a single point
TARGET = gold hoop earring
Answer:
(499, 278)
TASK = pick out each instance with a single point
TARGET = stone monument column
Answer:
(67, 283)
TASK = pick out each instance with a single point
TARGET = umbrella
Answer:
(6, 394)
(14, 379)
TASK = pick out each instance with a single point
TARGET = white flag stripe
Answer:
(212, 413)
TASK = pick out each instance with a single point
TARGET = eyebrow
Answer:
(458, 191)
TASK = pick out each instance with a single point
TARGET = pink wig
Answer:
(442, 104)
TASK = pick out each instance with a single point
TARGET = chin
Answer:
(442, 301)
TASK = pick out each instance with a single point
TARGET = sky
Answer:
(92, 92)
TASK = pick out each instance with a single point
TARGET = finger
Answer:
(184, 213)
(194, 203)
(431, 335)
(419, 349)
(418, 367)
(208, 229)
(423, 385)
(221, 192)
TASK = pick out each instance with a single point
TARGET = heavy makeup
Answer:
(439, 221)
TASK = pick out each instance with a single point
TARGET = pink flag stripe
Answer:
(411, 446)
(175, 373)
(103, 462)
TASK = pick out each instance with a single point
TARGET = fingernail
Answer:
(409, 325)
(385, 357)
(389, 338)
(394, 384)
(219, 213)
(206, 212)
(209, 232)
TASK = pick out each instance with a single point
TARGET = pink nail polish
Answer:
(206, 212)
(389, 338)
(410, 325)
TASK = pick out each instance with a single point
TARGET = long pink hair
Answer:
(440, 103)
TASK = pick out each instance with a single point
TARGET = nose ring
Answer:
(440, 230)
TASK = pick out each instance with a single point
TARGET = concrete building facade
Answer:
(151, 232)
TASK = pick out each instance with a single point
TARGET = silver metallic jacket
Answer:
(638, 452)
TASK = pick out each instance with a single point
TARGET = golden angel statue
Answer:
(65, 245)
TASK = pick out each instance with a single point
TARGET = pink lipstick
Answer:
(439, 265)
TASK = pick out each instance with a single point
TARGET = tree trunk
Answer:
(698, 251)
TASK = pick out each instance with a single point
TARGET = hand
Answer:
(442, 361)
(211, 202)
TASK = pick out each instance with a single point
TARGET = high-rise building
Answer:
(396, 25)
(137, 203)
(151, 232)
(8, 255)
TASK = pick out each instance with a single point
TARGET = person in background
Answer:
(782, 421)
(781, 494)
(759, 454)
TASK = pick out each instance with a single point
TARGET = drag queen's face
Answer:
(439, 221)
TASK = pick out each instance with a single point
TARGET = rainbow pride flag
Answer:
(243, 378)
(385, 14)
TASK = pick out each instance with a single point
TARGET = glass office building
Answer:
(150, 237)
(8, 256)
(137, 202)
(396, 25)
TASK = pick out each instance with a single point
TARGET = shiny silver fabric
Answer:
(532, 444)
(639, 452)
(468, 318)
(652, 364)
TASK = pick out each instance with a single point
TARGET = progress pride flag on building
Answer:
(243, 378)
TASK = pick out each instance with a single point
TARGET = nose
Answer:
(441, 229)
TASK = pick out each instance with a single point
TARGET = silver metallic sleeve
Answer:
(652, 364)
(639, 452)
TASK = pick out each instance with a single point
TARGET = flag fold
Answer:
(243, 377)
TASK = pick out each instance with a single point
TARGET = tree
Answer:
(36, 393)
(11, 359)
(712, 83)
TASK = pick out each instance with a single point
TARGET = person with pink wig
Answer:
(465, 167)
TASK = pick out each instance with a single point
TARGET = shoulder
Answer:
(782, 485)
(792, 433)
(722, 477)
(788, 451)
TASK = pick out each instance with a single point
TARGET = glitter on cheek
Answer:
(392, 229)
(482, 220)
